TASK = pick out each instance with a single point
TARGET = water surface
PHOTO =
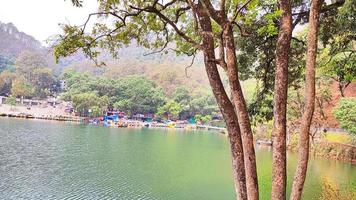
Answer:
(51, 160)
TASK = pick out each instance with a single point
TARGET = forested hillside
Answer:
(28, 70)
(166, 70)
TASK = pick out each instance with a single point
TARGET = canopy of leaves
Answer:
(21, 88)
(84, 101)
(171, 109)
(345, 113)
(338, 35)
(11, 100)
(138, 95)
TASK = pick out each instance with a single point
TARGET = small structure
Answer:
(111, 118)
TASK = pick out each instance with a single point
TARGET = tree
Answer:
(11, 100)
(21, 88)
(42, 80)
(296, 105)
(205, 119)
(181, 95)
(6, 78)
(171, 109)
(279, 169)
(84, 101)
(137, 94)
(184, 23)
(5, 64)
(96, 111)
(303, 150)
(337, 34)
(28, 61)
(345, 113)
(203, 103)
(209, 27)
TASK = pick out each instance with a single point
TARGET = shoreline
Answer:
(325, 150)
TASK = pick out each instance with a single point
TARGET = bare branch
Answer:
(190, 65)
(164, 46)
(151, 9)
(241, 29)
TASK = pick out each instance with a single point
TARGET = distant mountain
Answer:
(13, 42)
(166, 69)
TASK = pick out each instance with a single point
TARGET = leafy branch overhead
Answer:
(173, 25)
(157, 25)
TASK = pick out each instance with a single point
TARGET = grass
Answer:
(337, 137)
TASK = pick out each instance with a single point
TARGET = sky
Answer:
(40, 18)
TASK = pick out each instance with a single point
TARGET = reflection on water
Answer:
(43, 160)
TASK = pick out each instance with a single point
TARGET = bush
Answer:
(11, 100)
(337, 137)
(331, 191)
(345, 113)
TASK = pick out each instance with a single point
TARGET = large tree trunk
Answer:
(242, 115)
(226, 108)
(279, 168)
(303, 149)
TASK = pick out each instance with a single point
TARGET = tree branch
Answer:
(151, 9)
(238, 10)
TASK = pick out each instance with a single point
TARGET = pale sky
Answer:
(40, 18)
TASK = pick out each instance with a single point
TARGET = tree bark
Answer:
(303, 149)
(242, 115)
(226, 108)
(279, 168)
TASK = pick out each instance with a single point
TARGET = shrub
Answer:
(345, 113)
(337, 137)
(331, 191)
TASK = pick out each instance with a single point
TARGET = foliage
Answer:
(43, 81)
(203, 118)
(85, 101)
(296, 102)
(138, 95)
(171, 109)
(11, 100)
(181, 95)
(5, 64)
(21, 88)
(337, 137)
(337, 34)
(331, 191)
(203, 103)
(6, 78)
(345, 113)
(30, 77)
(96, 111)
(28, 61)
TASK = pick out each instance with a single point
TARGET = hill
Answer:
(167, 70)
(13, 42)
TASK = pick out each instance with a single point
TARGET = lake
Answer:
(54, 160)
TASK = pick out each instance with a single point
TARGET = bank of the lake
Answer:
(45, 160)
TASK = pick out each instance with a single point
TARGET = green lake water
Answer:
(50, 160)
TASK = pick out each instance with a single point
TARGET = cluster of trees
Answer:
(28, 77)
(133, 95)
(244, 39)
